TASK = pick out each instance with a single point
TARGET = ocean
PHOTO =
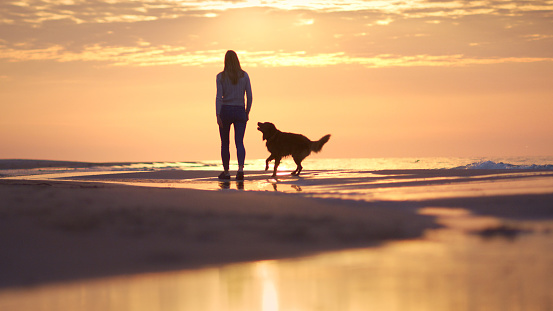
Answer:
(357, 164)
(312, 163)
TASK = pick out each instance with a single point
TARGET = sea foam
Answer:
(491, 165)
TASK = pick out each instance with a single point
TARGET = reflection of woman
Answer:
(232, 84)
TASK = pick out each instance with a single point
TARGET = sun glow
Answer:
(430, 77)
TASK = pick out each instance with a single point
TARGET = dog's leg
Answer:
(298, 170)
(269, 159)
(298, 160)
(277, 162)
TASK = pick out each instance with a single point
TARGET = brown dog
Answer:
(281, 144)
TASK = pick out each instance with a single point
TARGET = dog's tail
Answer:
(318, 145)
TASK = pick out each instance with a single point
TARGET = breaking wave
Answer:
(491, 165)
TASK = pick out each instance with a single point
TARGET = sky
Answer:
(129, 80)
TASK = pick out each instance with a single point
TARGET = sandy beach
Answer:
(60, 230)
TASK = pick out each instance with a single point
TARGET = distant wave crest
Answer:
(491, 165)
(155, 166)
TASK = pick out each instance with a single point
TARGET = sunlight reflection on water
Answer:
(366, 186)
(340, 184)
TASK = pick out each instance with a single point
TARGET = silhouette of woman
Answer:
(232, 84)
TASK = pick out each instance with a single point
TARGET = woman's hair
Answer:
(232, 70)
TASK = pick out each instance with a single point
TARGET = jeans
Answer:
(233, 115)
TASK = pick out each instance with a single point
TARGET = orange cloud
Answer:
(147, 55)
(111, 11)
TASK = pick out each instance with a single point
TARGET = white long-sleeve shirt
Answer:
(233, 94)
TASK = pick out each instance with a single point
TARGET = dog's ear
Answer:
(266, 133)
(268, 130)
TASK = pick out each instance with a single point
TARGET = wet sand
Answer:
(65, 237)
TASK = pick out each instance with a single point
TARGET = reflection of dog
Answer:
(281, 144)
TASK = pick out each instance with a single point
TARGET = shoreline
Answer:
(394, 163)
(11, 164)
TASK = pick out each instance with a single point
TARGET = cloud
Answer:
(536, 37)
(276, 33)
(147, 55)
(127, 11)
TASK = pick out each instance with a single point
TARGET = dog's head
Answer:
(267, 128)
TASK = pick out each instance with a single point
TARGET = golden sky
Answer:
(130, 80)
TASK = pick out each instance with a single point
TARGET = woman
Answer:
(232, 84)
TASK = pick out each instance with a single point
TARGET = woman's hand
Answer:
(219, 121)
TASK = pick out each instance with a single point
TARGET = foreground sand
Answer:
(58, 231)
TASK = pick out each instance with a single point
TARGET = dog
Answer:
(282, 144)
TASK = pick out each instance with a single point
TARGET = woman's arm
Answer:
(218, 97)
(249, 98)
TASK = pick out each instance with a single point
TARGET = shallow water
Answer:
(338, 184)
